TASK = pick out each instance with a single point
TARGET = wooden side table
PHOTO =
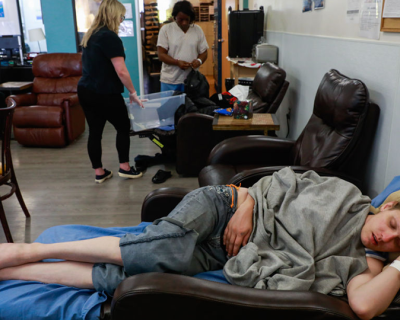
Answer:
(15, 86)
(260, 121)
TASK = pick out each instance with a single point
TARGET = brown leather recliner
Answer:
(336, 140)
(51, 115)
(195, 135)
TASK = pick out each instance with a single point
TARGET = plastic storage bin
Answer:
(158, 111)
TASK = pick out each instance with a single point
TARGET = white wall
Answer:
(286, 16)
(314, 42)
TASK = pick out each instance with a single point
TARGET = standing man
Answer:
(181, 46)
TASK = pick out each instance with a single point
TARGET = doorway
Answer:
(150, 27)
(221, 70)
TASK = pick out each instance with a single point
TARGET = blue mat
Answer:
(30, 300)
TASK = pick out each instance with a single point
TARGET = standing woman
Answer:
(181, 46)
(99, 90)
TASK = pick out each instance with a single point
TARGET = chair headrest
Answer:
(340, 102)
(268, 81)
(57, 65)
(334, 129)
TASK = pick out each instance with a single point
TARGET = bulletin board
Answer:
(389, 24)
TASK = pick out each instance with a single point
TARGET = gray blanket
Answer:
(306, 235)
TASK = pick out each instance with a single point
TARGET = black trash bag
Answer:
(205, 106)
(200, 105)
(196, 85)
(203, 103)
(187, 107)
(223, 100)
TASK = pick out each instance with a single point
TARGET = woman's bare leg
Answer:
(97, 250)
(73, 274)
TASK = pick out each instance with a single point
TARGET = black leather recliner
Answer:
(161, 295)
(334, 143)
(195, 135)
(336, 140)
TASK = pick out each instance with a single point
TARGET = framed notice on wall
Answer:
(390, 16)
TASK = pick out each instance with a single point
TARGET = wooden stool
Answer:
(7, 174)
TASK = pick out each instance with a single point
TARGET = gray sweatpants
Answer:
(188, 241)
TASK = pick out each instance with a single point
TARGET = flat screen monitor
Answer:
(9, 42)
(245, 30)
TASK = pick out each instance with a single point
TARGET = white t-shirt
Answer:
(182, 46)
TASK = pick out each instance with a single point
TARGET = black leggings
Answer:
(98, 109)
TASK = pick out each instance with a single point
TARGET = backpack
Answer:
(196, 85)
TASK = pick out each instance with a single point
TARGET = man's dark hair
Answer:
(184, 7)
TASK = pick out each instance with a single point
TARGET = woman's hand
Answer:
(133, 97)
(239, 228)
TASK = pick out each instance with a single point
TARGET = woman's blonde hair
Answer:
(109, 15)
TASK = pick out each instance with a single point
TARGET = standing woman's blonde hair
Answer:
(109, 15)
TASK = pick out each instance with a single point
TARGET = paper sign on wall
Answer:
(1, 9)
(307, 5)
(128, 13)
(126, 29)
(392, 9)
(370, 25)
(353, 11)
(319, 4)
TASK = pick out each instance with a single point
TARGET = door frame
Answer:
(139, 47)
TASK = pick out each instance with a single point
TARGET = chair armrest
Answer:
(161, 295)
(74, 117)
(266, 151)
(193, 118)
(194, 143)
(160, 202)
(249, 177)
(71, 101)
(26, 99)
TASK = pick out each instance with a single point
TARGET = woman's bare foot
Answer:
(15, 254)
